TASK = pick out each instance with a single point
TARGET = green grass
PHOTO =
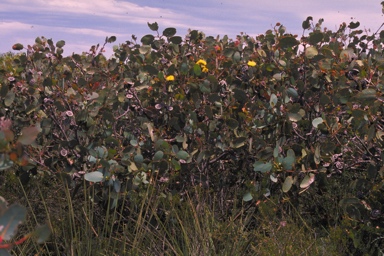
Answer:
(155, 221)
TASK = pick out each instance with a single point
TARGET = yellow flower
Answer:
(170, 78)
(201, 62)
(204, 69)
(251, 63)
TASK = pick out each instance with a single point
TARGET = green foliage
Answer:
(276, 116)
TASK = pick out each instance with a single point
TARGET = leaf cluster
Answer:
(271, 116)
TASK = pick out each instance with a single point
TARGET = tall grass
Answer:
(155, 221)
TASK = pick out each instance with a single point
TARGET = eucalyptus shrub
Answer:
(275, 115)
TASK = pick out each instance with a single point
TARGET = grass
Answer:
(155, 221)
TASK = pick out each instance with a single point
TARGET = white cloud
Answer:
(87, 22)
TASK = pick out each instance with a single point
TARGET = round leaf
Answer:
(232, 123)
(138, 159)
(147, 39)
(60, 44)
(315, 38)
(10, 219)
(247, 197)
(311, 52)
(288, 162)
(307, 181)
(288, 42)
(228, 52)
(158, 156)
(42, 233)
(168, 32)
(17, 47)
(9, 98)
(93, 176)
(273, 100)
(317, 121)
(292, 93)
(262, 167)
(197, 69)
(287, 184)
(176, 39)
(111, 39)
(182, 155)
(28, 135)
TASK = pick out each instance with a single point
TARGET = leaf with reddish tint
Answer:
(17, 47)
(28, 135)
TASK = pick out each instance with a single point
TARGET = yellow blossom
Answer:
(201, 62)
(204, 69)
(170, 78)
(251, 63)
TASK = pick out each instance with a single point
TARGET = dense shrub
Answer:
(279, 117)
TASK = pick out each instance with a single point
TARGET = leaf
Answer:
(147, 39)
(352, 207)
(151, 70)
(168, 32)
(315, 37)
(42, 233)
(60, 43)
(346, 55)
(153, 26)
(294, 117)
(158, 155)
(273, 100)
(4, 252)
(238, 142)
(237, 56)
(287, 184)
(247, 197)
(317, 121)
(101, 152)
(3, 205)
(306, 24)
(176, 39)
(288, 42)
(240, 95)
(10, 220)
(17, 47)
(197, 70)
(262, 167)
(184, 68)
(353, 25)
(366, 94)
(278, 76)
(316, 157)
(182, 155)
(28, 135)
(232, 123)
(228, 52)
(291, 153)
(144, 49)
(111, 39)
(292, 93)
(9, 98)
(307, 181)
(311, 52)
(288, 162)
(95, 176)
(138, 158)
(117, 185)
(151, 131)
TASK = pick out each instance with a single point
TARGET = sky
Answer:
(83, 23)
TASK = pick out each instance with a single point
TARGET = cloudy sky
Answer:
(83, 23)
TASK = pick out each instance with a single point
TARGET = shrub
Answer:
(272, 117)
